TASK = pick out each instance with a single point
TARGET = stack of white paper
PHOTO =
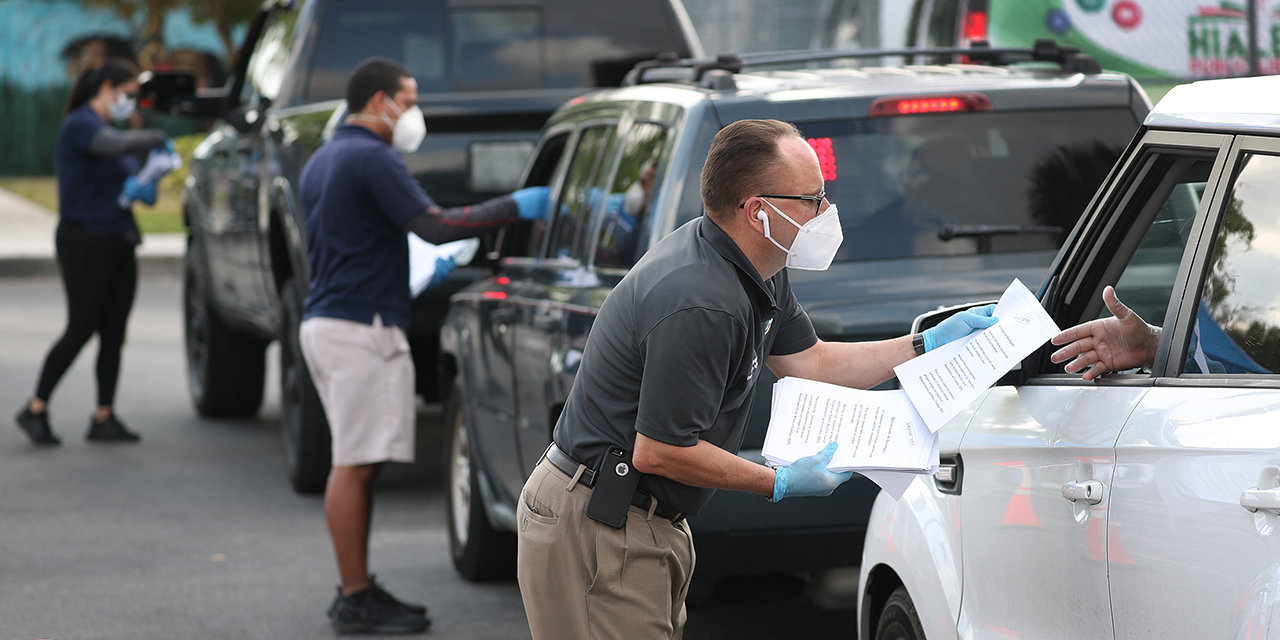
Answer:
(891, 436)
(879, 433)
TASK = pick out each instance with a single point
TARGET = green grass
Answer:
(164, 217)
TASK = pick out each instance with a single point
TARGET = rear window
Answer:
(555, 44)
(987, 182)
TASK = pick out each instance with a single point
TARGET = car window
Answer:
(266, 69)
(1237, 321)
(1146, 284)
(625, 222)
(499, 47)
(965, 183)
(581, 193)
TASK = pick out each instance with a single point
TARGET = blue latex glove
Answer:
(959, 326)
(134, 190)
(444, 266)
(808, 476)
(532, 202)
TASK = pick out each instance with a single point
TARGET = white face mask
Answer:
(633, 199)
(122, 109)
(409, 131)
(816, 241)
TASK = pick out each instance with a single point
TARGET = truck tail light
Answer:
(975, 26)
(826, 157)
(930, 104)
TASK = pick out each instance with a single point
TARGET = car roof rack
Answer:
(716, 72)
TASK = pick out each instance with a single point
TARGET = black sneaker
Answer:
(387, 598)
(36, 426)
(110, 430)
(363, 612)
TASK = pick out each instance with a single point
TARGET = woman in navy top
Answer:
(95, 240)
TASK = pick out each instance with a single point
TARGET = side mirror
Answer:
(248, 118)
(934, 318)
(170, 92)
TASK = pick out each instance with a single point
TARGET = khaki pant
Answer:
(581, 579)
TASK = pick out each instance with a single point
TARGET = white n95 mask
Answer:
(122, 109)
(816, 243)
(410, 130)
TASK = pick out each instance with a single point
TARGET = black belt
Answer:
(569, 466)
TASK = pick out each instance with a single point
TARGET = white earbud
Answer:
(764, 217)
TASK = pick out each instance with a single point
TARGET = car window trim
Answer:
(597, 220)
(1179, 341)
(593, 120)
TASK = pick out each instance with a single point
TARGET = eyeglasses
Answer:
(816, 200)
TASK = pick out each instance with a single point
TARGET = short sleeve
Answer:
(79, 130)
(688, 359)
(795, 331)
(395, 190)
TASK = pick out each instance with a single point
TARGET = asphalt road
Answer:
(196, 533)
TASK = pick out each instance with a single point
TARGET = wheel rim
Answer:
(460, 479)
(197, 334)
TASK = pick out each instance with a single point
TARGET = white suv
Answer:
(1143, 503)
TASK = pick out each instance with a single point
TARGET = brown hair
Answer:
(741, 154)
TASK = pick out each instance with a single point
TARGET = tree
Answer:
(225, 15)
(151, 13)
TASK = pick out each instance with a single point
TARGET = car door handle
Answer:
(1090, 491)
(1255, 499)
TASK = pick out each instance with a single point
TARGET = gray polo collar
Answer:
(729, 250)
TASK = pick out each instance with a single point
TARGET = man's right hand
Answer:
(808, 476)
(1121, 342)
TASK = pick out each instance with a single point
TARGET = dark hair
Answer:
(741, 155)
(117, 71)
(371, 76)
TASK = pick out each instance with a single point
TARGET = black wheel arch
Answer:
(881, 582)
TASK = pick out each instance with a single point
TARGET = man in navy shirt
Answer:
(360, 200)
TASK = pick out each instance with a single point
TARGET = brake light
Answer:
(826, 157)
(502, 280)
(493, 295)
(975, 26)
(930, 104)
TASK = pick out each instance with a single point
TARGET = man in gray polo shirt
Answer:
(668, 374)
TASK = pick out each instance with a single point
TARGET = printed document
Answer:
(942, 382)
(875, 430)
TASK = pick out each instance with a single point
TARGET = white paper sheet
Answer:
(942, 382)
(874, 429)
(423, 254)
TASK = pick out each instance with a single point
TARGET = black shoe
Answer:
(110, 430)
(36, 426)
(363, 612)
(387, 598)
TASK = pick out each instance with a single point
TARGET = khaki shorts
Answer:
(364, 376)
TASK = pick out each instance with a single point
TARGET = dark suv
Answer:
(951, 180)
(489, 75)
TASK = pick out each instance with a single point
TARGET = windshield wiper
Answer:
(984, 232)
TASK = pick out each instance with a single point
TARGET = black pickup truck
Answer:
(489, 77)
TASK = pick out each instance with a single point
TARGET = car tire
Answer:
(225, 368)
(480, 552)
(898, 619)
(302, 420)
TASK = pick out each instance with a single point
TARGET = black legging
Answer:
(100, 273)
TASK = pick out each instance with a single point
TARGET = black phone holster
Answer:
(616, 482)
